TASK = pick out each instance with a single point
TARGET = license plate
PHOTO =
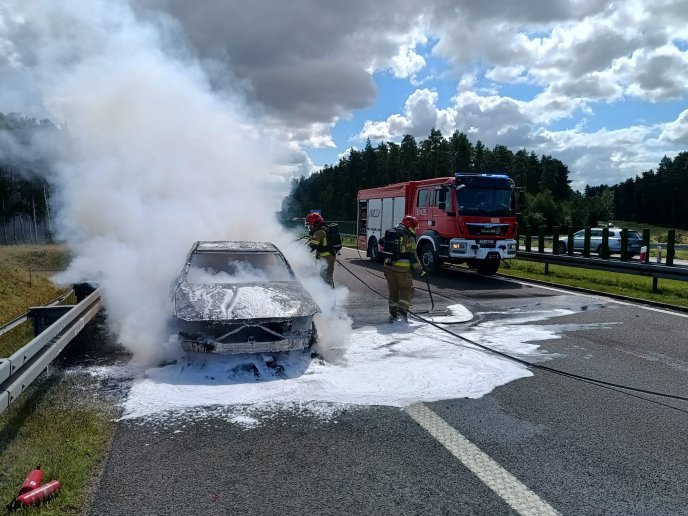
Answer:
(486, 241)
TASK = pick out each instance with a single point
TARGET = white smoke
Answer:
(156, 159)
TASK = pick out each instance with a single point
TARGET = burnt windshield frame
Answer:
(224, 262)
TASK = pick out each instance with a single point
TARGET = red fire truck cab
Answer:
(468, 218)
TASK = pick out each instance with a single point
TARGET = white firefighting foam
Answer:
(389, 364)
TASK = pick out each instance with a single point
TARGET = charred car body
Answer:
(241, 297)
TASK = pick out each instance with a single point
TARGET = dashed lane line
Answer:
(504, 484)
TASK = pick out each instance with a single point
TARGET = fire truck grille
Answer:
(487, 229)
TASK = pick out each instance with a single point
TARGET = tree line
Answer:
(24, 191)
(659, 197)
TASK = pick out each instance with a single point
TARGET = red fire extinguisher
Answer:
(36, 495)
(32, 481)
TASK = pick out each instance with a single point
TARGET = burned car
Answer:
(241, 297)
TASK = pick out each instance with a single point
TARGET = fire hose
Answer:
(594, 381)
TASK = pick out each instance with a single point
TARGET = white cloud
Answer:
(676, 132)
(407, 63)
(421, 114)
(660, 74)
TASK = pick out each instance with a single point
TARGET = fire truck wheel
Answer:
(487, 267)
(428, 258)
(374, 251)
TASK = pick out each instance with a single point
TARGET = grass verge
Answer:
(24, 277)
(60, 424)
(639, 287)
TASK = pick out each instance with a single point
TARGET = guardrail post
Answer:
(671, 241)
(646, 242)
(569, 247)
(529, 230)
(555, 240)
(624, 244)
(604, 247)
(541, 239)
(586, 242)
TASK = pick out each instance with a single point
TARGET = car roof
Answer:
(234, 245)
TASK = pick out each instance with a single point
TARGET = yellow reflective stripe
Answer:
(326, 253)
(402, 264)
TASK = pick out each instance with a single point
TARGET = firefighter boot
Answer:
(403, 315)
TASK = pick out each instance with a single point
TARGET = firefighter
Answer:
(319, 243)
(398, 270)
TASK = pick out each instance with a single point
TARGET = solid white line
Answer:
(563, 290)
(504, 484)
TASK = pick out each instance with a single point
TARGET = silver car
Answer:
(614, 242)
(241, 297)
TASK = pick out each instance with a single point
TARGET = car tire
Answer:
(601, 252)
(561, 248)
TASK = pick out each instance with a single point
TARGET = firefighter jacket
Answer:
(318, 243)
(406, 259)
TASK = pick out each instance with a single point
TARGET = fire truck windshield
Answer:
(484, 201)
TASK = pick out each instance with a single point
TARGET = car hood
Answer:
(245, 301)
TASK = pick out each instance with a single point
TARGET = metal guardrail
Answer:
(651, 245)
(653, 270)
(19, 370)
(22, 318)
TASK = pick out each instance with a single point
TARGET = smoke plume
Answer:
(153, 158)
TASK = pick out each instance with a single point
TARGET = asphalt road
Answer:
(540, 445)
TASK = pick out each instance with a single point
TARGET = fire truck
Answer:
(468, 218)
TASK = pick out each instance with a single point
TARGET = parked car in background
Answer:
(614, 242)
(241, 297)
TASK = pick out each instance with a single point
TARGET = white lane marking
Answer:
(504, 484)
(594, 296)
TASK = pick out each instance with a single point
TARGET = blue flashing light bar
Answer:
(468, 174)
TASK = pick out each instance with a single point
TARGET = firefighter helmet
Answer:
(410, 221)
(314, 218)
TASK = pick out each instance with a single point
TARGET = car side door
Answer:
(578, 239)
(595, 239)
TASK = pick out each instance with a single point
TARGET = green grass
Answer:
(60, 424)
(15, 339)
(24, 277)
(670, 292)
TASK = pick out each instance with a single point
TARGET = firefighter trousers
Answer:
(327, 269)
(400, 285)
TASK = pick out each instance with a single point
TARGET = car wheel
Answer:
(561, 248)
(428, 258)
